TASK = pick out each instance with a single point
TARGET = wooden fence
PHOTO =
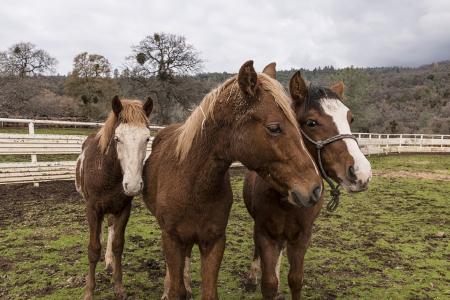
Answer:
(35, 171)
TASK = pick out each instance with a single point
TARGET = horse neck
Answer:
(209, 155)
(109, 164)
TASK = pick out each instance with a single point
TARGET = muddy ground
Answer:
(389, 243)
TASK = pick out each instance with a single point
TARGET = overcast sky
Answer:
(293, 33)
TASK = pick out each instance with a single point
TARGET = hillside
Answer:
(389, 99)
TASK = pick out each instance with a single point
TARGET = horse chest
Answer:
(197, 220)
(285, 225)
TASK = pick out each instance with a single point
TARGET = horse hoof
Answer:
(121, 296)
(250, 285)
(109, 269)
(120, 293)
(279, 296)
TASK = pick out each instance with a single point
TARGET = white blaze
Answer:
(338, 112)
(131, 152)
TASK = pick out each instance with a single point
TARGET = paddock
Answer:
(390, 242)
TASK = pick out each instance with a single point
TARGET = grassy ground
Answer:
(52, 130)
(383, 244)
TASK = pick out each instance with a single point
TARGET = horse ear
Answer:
(148, 106)
(338, 88)
(271, 70)
(298, 88)
(248, 79)
(116, 105)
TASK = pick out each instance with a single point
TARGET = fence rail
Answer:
(38, 144)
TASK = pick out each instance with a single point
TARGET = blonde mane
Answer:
(132, 113)
(194, 124)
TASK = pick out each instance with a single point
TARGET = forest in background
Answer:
(391, 100)
(167, 68)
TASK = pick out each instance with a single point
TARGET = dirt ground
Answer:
(389, 243)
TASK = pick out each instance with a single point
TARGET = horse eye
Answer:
(148, 139)
(274, 129)
(116, 138)
(311, 123)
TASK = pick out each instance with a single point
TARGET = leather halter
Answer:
(335, 192)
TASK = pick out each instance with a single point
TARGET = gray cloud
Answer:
(293, 33)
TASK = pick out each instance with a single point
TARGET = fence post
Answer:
(33, 156)
(401, 142)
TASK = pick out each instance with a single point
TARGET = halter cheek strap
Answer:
(335, 192)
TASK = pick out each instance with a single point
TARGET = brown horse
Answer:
(108, 175)
(322, 117)
(187, 186)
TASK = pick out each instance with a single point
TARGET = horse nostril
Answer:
(141, 185)
(125, 185)
(351, 173)
(316, 195)
(317, 192)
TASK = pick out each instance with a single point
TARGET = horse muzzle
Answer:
(301, 200)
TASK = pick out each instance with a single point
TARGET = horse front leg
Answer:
(186, 277)
(255, 268)
(211, 258)
(296, 251)
(175, 252)
(270, 252)
(94, 250)
(109, 255)
(119, 225)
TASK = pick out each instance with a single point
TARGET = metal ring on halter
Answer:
(335, 192)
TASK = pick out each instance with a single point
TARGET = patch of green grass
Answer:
(50, 130)
(382, 244)
(43, 157)
(416, 162)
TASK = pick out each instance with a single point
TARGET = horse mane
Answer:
(318, 93)
(132, 113)
(205, 110)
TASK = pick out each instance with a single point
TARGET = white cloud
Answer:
(227, 33)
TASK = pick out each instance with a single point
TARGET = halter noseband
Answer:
(335, 192)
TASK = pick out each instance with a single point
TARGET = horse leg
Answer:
(211, 257)
(296, 254)
(175, 252)
(165, 295)
(270, 252)
(120, 223)
(94, 249)
(109, 256)
(255, 268)
(186, 277)
(186, 274)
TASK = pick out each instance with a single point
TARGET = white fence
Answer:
(36, 171)
(42, 144)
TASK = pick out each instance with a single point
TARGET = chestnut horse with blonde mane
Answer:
(108, 175)
(187, 186)
(325, 124)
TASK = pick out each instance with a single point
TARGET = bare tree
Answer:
(91, 84)
(24, 59)
(164, 55)
(87, 65)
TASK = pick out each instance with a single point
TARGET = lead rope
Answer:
(334, 189)
(334, 192)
